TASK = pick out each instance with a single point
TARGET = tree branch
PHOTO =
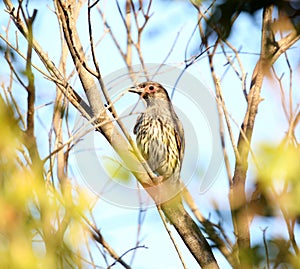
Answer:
(182, 221)
(194, 239)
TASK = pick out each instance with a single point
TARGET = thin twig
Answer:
(163, 218)
(266, 247)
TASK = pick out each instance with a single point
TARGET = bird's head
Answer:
(150, 91)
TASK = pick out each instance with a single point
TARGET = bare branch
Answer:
(171, 237)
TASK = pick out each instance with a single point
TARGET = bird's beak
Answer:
(136, 89)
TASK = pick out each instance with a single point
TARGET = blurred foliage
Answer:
(278, 178)
(116, 170)
(39, 226)
(196, 2)
(254, 256)
(225, 12)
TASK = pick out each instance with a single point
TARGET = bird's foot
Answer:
(158, 180)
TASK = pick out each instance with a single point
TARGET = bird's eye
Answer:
(151, 88)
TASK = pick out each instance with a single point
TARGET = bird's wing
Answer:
(179, 135)
(137, 124)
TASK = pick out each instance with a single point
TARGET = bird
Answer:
(159, 132)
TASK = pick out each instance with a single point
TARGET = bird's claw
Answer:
(158, 180)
